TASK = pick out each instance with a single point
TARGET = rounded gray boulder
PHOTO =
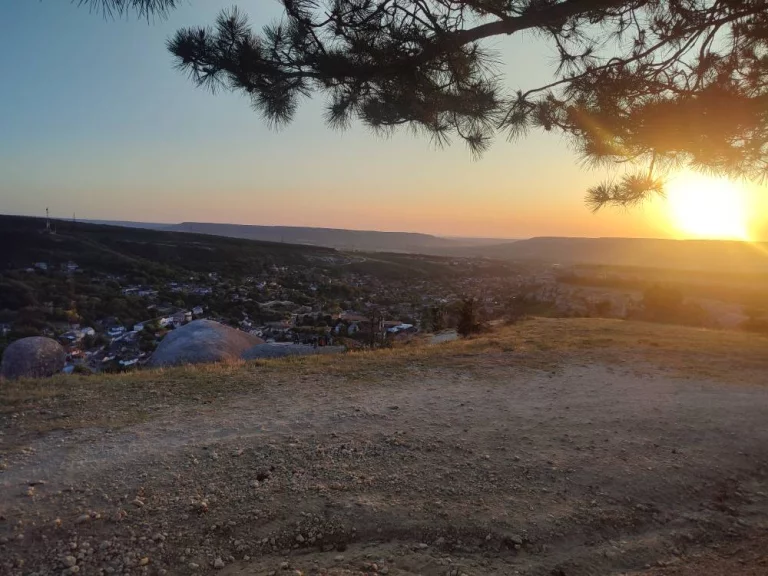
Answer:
(202, 341)
(33, 357)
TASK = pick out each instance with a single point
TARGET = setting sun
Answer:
(706, 207)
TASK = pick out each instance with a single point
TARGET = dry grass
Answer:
(66, 402)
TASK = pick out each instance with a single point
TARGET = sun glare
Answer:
(705, 207)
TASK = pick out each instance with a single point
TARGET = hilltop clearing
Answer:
(555, 447)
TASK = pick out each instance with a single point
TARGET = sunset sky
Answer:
(95, 121)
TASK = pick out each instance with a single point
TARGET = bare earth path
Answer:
(587, 468)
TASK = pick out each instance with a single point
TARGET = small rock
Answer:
(284, 565)
(193, 566)
(218, 563)
(138, 502)
(144, 561)
(299, 538)
(82, 519)
(69, 561)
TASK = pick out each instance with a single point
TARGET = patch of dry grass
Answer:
(113, 400)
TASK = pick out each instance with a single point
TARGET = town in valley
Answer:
(109, 294)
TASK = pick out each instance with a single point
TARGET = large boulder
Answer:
(34, 357)
(264, 351)
(202, 341)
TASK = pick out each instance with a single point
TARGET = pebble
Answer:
(82, 519)
(193, 566)
(69, 561)
(144, 561)
(299, 538)
(218, 563)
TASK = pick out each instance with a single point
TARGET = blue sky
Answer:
(95, 121)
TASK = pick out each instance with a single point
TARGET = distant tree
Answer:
(434, 318)
(657, 83)
(82, 370)
(514, 310)
(375, 320)
(147, 341)
(662, 302)
(603, 307)
(667, 304)
(468, 318)
(15, 295)
(757, 320)
(101, 340)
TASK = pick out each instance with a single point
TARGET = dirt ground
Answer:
(585, 468)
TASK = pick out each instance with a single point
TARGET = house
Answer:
(70, 267)
(129, 362)
(115, 331)
(401, 328)
(138, 327)
(88, 331)
(197, 311)
(180, 317)
(5, 328)
(71, 336)
(41, 265)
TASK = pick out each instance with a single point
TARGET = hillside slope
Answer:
(709, 255)
(330, 237)
(575, 447)
(123, 249)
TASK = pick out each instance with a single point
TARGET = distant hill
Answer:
(340, 238)
(137, 249)
(330, 237)
(712, 255)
